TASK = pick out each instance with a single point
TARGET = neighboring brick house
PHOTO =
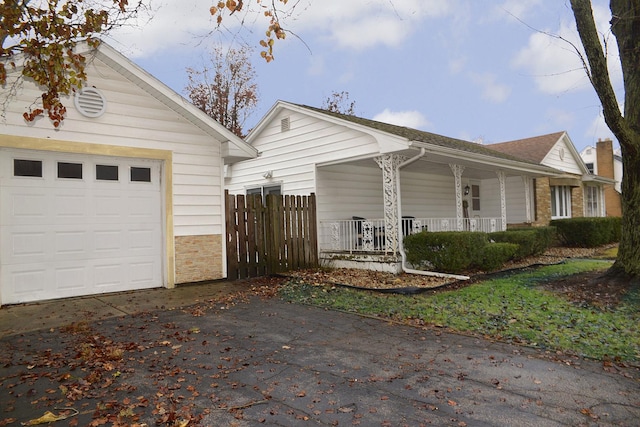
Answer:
(574, 192)
(602, 160)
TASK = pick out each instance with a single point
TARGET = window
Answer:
(475, 197)
(70, 170)
(590, 167)
(265, 190)
(27, 168)
(591, 200)
(140, 174)
(106, 172)
(560, 202)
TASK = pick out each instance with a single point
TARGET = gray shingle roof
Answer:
(423, 136)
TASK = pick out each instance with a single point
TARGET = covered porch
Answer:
(368, 205)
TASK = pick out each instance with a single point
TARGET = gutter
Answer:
(399, 225)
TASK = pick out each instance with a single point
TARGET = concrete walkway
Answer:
(266, 362)
(20, 318)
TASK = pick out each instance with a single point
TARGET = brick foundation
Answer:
(198, 258)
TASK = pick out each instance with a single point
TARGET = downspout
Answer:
(399, 225)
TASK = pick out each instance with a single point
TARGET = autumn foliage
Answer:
(39, 39)
(225, 90)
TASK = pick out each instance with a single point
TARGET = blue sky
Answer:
(478, 70)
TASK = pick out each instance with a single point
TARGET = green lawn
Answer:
(511, 308)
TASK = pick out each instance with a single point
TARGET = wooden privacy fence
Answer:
(278, 237)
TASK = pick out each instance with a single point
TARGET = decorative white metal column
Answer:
(527, 197)
(389, 164)
(457, 174)
(502, 178)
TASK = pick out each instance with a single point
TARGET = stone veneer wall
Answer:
(577, 202)
(198, 258)
(543, 202)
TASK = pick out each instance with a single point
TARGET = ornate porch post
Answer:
(527, 197)
(503, 198)
(389, 164)
(457, 174)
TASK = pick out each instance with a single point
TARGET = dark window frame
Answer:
(69, 170)
(139, 174)
(28, 168)
(106, 172)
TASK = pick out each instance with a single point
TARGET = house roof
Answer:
(534, 149)
(422, 136)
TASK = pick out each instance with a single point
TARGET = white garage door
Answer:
(74, 225)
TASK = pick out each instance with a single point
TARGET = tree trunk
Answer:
(625, 25)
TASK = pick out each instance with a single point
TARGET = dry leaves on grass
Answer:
(381, 280)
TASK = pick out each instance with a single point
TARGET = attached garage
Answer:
(126, 194)
(74, 225)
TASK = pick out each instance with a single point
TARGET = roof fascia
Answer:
(498, 162)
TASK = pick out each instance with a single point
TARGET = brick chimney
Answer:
(604, 159)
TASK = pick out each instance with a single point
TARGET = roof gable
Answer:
(554, 150)
(534, 149)
(232, 145)
(401, 137)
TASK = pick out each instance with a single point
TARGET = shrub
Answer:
(448, 251)
(494, 255)
(531, 241)
(588, 232)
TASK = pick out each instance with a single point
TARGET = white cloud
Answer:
(514, 9)
(363, 24)
(173, 24)
(457, 65)
(411, 119)
(557, 119)
(358, 24)
(491, 89)
(598, 129)
(553, 62)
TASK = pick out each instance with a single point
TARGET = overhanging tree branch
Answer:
(598, 71)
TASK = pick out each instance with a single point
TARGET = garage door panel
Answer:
(108, 243)
(72, 279)
(107, 207)
(71, 237)
(142, 206)
(109, 276)
(23, 245)
(69, 207)
(26, 208)
(71, 243)
(142, 272)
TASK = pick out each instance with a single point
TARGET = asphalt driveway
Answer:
(266, 362)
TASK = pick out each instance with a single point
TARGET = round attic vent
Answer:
(90, 102)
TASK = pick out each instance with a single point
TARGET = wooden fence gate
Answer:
(278, 237)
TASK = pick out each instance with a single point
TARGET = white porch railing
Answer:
(369, 236)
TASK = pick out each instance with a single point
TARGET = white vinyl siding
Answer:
(135, 119)
(561, 157)
(292, 155)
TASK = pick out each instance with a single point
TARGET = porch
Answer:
(367, 236)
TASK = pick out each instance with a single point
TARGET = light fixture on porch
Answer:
(466, 190)
(268, 174)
